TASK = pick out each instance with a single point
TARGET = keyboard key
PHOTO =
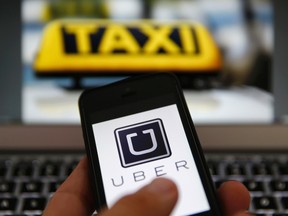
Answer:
(261, 169)
(53, 186)
(50, 169)
(32, 187)
(266, 203)
(7, 187)
(71, 167)
(218, 183)
(254, 186)
(235, 169)
(283, 169)
(23, 169)
(8, 204)
(3, 171)
(284, 202)
(278, 185)
(213, 168)
(33, 204)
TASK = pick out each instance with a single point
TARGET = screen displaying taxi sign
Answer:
(94, 46)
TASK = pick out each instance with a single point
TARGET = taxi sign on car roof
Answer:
(93, 46)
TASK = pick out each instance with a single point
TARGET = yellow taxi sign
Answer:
(109, 46)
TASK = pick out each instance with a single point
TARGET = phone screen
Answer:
(133, 149)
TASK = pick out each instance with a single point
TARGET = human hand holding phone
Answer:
(129, 133)
(74, 198)
(139, 129)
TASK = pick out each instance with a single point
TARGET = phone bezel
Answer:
(136, 90)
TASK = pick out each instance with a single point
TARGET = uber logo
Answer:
(142, 142)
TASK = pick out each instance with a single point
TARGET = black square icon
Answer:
(142, 142)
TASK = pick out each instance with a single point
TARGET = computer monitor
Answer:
(28, 111)
(242, 30)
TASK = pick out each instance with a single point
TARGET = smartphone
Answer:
(139, 129)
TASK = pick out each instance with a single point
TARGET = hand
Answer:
(74, 198)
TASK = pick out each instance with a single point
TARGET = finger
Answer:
(74, 196)
(156, 199)
(234, 198)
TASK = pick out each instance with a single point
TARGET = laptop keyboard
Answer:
(265, 176)
(27, 182)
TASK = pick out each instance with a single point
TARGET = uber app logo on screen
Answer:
(142, 142)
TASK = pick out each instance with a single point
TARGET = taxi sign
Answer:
(92, 46)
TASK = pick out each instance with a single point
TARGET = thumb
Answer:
(157, 198)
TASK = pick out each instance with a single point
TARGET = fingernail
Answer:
(162, 186)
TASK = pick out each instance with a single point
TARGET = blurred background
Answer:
(242, 30)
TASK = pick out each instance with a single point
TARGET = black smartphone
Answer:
(139, 129)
